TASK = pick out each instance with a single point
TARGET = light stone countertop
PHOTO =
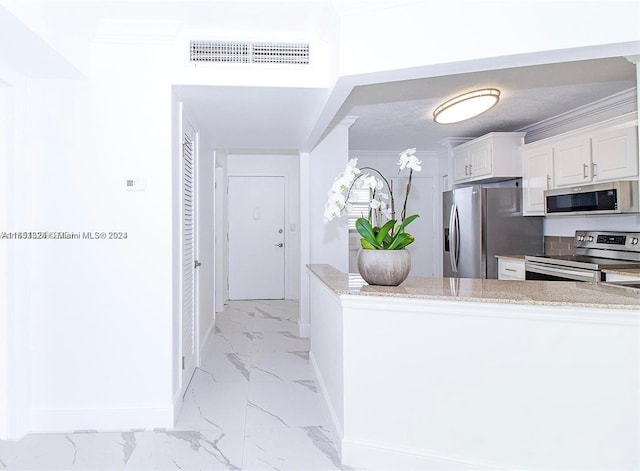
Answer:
(542, 293)
(623, 271)
(519, 258)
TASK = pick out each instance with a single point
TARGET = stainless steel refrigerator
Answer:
(480, 223)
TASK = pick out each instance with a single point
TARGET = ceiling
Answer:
(396, 115)
(260, 118)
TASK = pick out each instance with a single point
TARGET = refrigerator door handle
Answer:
(454, 238)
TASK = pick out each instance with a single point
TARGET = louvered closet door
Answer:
(188, 256)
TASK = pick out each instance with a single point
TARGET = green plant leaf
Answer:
(366, 232)
(366, 245)
(401, 241)
(406, 222)
(384, 231)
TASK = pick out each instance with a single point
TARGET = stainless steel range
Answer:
(595, 251)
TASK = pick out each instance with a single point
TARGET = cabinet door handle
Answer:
(509, 269)
(594, 167)
(465, 170)
(548, 181)
(585, 170)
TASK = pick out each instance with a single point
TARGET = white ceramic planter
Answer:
(384, 267)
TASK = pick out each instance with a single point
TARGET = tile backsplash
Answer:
(559, 245)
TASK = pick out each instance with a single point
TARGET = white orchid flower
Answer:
(381, 196)
(341, 183)
(409, 159)
(414, 163)
(331, 212)
(352, 170)
(375, 204)
(337, 199)
(369, 182)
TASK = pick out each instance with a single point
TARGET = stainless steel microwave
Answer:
(601, 198)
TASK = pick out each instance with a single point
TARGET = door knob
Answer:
(196, 264)
(280, 245)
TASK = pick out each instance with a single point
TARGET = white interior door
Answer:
(423, 228)
(189, 325)
(256, 237)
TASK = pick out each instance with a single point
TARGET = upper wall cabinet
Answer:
(492, 157)
(602, 152)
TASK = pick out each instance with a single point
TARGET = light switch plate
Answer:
(136, 184)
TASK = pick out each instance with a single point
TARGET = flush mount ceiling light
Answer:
(466, 106)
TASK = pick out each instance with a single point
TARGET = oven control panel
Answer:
(625, 241)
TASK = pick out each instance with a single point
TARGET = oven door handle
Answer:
(560, 272)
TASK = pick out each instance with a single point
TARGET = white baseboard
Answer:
(103, 420)
(327, 406)
(304, 330)
(177, 405)
(203, 342)
(383, 457)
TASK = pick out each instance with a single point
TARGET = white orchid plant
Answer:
(380, 230)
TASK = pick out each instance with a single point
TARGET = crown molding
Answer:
(423, 154)
(619, 103)
(451, 142)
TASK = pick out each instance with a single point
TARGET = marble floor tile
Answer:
(285, 403)
(273, 324)
(280, 366)
(279, 342)
(294, 448)
(234, 320)
(277, 309)
(225, 367)
(230, 342)
(82, 451)
(246, 306)
(251, 405)
(209, 405)
(187, 450)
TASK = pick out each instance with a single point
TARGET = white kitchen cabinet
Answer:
(602, 152)
(537, 171)
(510, 269)
(492, 157)
(614, 154)
(572, 161)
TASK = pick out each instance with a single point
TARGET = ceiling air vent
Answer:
(239, 52)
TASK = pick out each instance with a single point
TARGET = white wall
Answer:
(286, 166)
(5, 122)
(176, 248)
(567, 226)
(374, 39)
(99, 311)
(329, 242)
(321, 242)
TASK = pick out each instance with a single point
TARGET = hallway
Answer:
(252, 405)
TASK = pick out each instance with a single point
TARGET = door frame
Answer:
(184, 382)
(219, 239)
(287, 241)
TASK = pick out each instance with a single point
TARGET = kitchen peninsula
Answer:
(474, 374)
